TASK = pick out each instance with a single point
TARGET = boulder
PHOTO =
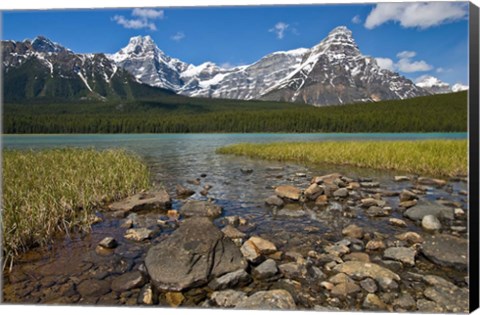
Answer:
(200, 208)
(446, 250)
(274, 201)
(289, 192)
(154, 200)
(268, 300)
(193, 255)
(341, 193)
(265, 270)
(227, 298)
(313, 191)
(424, 208)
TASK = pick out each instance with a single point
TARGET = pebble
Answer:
(353, 231)
(108, 242)
(397, 222)
(431, 223)
(369, 285)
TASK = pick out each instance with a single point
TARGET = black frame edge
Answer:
(473, 184)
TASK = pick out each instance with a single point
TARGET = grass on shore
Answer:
(57, 190)
(423, 157)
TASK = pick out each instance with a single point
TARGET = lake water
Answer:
(177, 158)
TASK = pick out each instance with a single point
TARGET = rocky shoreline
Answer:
(407, 253)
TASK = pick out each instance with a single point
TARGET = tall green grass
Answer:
(57, 190)
(425, 157)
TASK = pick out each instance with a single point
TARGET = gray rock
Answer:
(446, 250)
(424, 208)
(200, 208)
(342, 193)
(274, 201)
(431, 223)
(230, 280)
(193, 255)
(228, 298)
(369, 285)
(375, 211)
(451, 298)
(232, 232)
(403, 254)
(405, 301)
(265, 270)
(155, 200)
(128, 281)
(268, 300)
(407, 195)
(344, 289)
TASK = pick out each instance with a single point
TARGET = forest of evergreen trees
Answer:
(438, 113)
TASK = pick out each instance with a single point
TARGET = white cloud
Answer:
(178, 36)
(134, 23)
(421, 15)
(385, 63)
(279, 29)
(356, 19)
(406, 54)
(143, 18)
(149, 14)
(405, 63)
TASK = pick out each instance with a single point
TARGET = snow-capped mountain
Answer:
(437, 86)
(332, 72)
(42, 68)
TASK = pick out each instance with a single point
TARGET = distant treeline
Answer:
(438, 113)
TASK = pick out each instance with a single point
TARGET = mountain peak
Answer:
(45, 45)
(342, 29)
(140, 44)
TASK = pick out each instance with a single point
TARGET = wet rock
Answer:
(410, 237)
(369, 285)
(143, 201)
(174, 299)
(128, 281)
(230, 280)
(289, 192)
(405, 302)
(265, 270)
(268, 300)
(322, 200)
(344, 289)
(407, 195)
(426, 306)
(404, 255)
(326, 178)
(397, 222)
(264, 247)
(251, 252)
(369, 184)
(369, 202)
(361, 270)
(408, 204)
(424, 208)
(431, 181)
(401, 178)
(341, 193)
(194, 254)
(108, 242)
(183, 192)
(291, 210)
(337, 249)
(373, 302)
(357, 257)
(446, 250)
(138, 235)
(274, 201)
(313, 191)
(353, 231)
(375, 245)
(228, 298)
(93, 288)
(147, 295)
(234, 234)
(200, 208)
(375, 211)
(431, 223)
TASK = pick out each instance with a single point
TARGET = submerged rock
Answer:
(138, 235)
(361, 270)
(143, 201)
(424, 208)
(193, 255)
(289, 192)
(200, 208)
(268, 300)
(183, 192)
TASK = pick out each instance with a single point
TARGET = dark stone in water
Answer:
(446, 250)
(128, 281)
(93, 288)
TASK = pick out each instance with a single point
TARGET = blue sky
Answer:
(413, 39)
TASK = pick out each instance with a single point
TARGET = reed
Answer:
(58, 190)
(423, 157)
